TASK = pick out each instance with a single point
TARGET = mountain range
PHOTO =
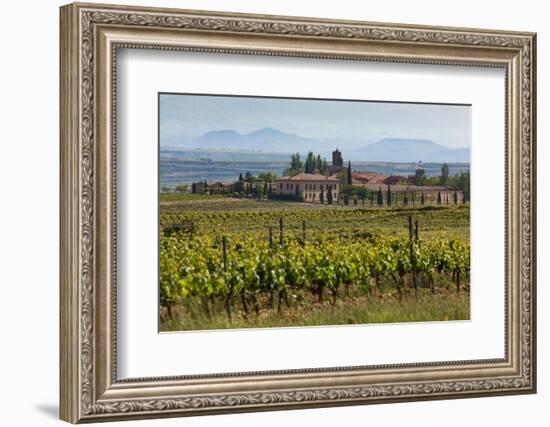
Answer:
(410, 150)
(269, 140)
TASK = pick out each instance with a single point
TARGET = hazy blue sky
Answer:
(184, 117)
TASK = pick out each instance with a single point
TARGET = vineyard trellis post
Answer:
(229, 294)
(281, 232)
(304, 232)
(270, 238)
(413, 236)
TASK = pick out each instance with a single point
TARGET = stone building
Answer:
(309, 186)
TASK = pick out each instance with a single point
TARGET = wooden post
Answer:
(416, 230)
(224, 251)
(412, 254)
(230, 293)
(281, 232)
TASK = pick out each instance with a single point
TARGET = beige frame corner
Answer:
(90, 36)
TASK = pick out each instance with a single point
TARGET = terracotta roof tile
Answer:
(308, 177)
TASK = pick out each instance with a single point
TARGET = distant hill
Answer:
(410, 150)
(267, 140)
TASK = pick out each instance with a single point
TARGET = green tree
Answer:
(322, 197)
(295, 164)
(389, 196)
(380, 197)
(433, 180)
(439, 197)
(182, 188)
(267, 176)
(463, 184)
(362, 193)
(248, 180)
(164, 189)
(318, 163)
(238, 187)
(310, 163)
(419, 176)
(329, 196)
(444, 173)
(349, 177)
(241, 177)
(347, 190)
(422, 200)
(405, 199)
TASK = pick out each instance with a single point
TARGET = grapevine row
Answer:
(213, 268)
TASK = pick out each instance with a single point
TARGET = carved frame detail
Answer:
(80, 400)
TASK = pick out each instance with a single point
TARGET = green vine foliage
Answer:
(194, 266)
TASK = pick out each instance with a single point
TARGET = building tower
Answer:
(337, 160)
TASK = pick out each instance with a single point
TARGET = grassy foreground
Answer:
(384, 308)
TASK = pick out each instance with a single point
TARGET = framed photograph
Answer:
(267, 212)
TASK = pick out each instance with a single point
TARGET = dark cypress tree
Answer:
(444, 174)
(388, 196)
(455, 198)
(322, 197)
(422, 201)
(241, 177)
(405, 199)
(349, 173)
(193, 188)
(439, 197)
(380, 197)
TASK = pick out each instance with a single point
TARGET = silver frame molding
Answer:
(90, 37)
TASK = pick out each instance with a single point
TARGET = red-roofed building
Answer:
(367, 178)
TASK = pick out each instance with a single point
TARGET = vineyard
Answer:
(281, 265)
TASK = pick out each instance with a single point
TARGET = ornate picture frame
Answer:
(90, 37)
